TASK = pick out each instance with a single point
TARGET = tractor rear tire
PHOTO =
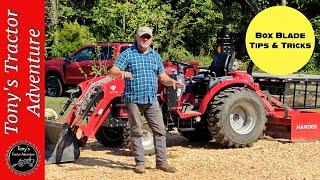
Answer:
(147, 139)
(202, 134)
(237, 117)
(110, 137)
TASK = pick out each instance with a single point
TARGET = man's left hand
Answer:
(176, 84)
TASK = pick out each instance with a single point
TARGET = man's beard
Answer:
(144, 46)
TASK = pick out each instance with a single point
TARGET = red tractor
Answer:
(217, 102)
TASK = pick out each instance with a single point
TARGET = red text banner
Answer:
(22, 89)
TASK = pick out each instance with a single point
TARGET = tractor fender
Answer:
(221, 85)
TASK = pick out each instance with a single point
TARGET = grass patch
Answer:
(56, 103)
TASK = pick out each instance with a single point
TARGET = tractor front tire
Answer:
(147, 139)
(110, 137)
(236, 117)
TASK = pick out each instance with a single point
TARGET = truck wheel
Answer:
(200, 134)
(110, 137)
(54, 86)
(236, 117)
(147, 139)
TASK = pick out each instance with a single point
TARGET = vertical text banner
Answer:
(22, 89)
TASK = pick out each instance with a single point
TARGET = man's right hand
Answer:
(116, 72)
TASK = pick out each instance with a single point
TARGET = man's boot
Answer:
(166, 167)
(140, 168)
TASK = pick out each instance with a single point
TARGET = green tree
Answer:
(71, 37)
(184, 29)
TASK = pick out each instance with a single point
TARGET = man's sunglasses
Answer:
(145, 36)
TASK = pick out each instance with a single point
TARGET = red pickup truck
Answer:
(62, 73)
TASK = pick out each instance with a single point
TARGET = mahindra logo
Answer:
(306, 126)
(113, 87)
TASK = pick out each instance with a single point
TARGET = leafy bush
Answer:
(178, 53)
(50, 114)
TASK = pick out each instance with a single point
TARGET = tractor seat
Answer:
(222, 64)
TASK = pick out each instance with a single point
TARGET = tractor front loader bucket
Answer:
(62, 144)
(88, 113)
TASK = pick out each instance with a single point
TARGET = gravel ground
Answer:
(267, 159)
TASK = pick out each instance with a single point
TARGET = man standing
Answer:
(140, 66)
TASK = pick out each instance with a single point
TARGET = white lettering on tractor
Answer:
(307, 126)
